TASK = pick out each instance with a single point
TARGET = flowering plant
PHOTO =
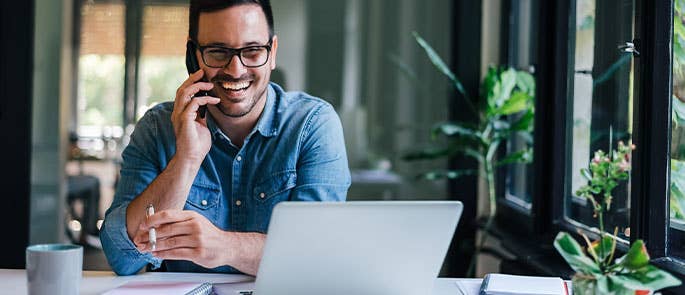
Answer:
(597, 272)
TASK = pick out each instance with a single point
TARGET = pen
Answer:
(149, 211)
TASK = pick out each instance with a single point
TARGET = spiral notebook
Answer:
(171, 288)
(503, 284)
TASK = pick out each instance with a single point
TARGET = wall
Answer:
(51, 92)
(291, 23)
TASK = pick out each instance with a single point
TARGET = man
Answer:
(214, 180)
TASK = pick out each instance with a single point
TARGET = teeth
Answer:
(235, 85)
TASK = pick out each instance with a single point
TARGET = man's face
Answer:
(240, 88)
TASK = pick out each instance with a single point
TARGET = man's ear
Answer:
(274, 49)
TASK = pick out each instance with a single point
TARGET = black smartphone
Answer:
(193, 66)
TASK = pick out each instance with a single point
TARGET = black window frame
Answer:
(512, 216)
(652, 88)
(654, 37)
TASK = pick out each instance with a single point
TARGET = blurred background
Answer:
(123, 57)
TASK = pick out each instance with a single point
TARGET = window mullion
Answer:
(652, 125)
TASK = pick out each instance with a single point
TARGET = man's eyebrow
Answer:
(220, 44)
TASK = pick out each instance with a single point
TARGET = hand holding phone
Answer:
(193, 66)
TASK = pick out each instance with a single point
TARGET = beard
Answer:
(251, 101)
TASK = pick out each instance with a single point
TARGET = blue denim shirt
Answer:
(296, 152)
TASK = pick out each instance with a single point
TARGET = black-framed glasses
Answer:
(250, 56)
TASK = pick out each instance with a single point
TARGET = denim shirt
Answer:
(296, 152)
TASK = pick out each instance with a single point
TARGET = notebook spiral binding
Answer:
(204, 289)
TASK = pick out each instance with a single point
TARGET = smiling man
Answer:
(214, 180)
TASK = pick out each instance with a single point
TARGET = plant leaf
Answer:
(525, 82)
(677, 196)
(498, 86)
(455, 129)
(648, 278)
(586, 173)
(658, 279)
(603, 248)
(517, 102)
(678, 111)
(440, 64)
(636, 257)
(571, 251)
(525, 123)
(522, 156)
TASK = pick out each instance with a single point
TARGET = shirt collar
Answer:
(267, 125)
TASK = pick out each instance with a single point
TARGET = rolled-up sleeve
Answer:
(323, 172)
(140, 165)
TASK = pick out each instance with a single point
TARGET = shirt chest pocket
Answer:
(270, 192)
(204, 199)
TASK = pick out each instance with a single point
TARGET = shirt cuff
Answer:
(116, 221)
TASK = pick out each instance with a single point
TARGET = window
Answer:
(520, 53)
(677, 187)
(599, 106)
(100, 75)
(162, 57)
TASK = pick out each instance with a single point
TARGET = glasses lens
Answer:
(254, 56)
(216, 57)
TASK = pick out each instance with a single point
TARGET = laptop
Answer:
(363, 247)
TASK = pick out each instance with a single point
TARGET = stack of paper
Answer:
(501, 284)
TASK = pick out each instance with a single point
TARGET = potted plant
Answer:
(597, 272)
(504, 109)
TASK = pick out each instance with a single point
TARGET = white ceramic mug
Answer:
(54, 269)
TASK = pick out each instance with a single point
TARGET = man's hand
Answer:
(187, 235)
(193, 139)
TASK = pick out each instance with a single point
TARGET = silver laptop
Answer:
(388, 247)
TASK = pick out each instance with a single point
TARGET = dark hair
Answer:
(199, 6)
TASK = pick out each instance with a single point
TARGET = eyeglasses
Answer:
(251, 56)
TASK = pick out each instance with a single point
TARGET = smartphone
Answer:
(193, 66)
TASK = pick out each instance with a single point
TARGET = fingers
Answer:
(189, 88)
(176, 229)
(170, 243)
(177, 254)
(185, 95)
(194, 77)
(165, 231)
(165, 217)
(194, 105)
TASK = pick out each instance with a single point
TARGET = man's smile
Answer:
(234, 91)
(236, 86)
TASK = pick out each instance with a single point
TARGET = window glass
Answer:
(100, 74)
(600, 108)
(162, 59)
(677, 196)
(522, 50)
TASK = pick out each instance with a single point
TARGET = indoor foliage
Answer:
(597, 272)
(504, 109)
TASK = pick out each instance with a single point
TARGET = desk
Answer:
(13, 281)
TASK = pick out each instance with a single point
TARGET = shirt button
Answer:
(204, 202)
(238, 158)
(238, 202)
(262, 195)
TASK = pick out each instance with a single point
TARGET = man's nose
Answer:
(234, 67)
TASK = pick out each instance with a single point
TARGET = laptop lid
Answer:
(384, 247)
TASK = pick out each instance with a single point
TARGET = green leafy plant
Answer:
(504, 109)
(597, 272)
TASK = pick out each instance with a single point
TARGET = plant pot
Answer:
(587, 285)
